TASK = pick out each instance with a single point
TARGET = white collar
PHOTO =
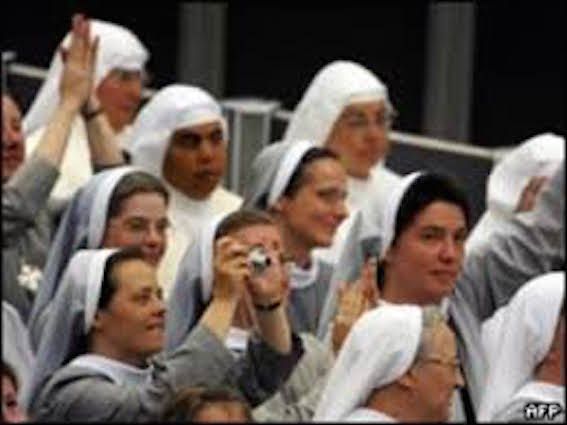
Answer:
(364, 414)
(302, 278)
(543, 391)
(121, 373)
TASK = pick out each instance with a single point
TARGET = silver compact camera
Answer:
(259, 260)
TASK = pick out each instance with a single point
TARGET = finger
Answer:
(93, 54)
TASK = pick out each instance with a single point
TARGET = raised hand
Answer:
(353, 300)
(79, 64)
(231, 270)
(271, 286)
(530, 192)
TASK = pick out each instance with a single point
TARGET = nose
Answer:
(449, 250)
(154, 237)
(134, 88)
(206, 150)
(159, 306)
(12, 137)
(341, 210)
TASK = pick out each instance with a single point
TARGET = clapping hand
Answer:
(79, 64)
(353, 300)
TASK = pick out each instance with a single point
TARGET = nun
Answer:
(422, 261)
(303, 187)
(16, 347)
(346, 108)
(400, 363)
(119, 207)
(524, 360)
(99, 358)
(515, 181)
(116, 96)
(181, 137)
(298, 397)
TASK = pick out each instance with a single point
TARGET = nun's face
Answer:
(11, 410)
(437, 375)
(13, 151)
(142, 221)
(196, 159)
(222, 412)
(360, 136)
(120, 94)
(312, 215)
(426, 258)
(133, 323)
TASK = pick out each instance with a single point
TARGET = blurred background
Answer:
(466, 78)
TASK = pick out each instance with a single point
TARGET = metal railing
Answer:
(252, 120)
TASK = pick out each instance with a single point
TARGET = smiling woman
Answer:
(117, 208)
(303, 187)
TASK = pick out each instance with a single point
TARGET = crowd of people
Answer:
(135, 287)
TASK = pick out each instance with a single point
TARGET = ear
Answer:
(279, 206)
(408, 380)
(98, 322)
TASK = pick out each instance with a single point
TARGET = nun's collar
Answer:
(119, 372)
(303, 278)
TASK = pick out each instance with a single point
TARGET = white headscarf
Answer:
(271, 171)
(173, 107)
(16, 348)
(193, 286)
(72, 316)
(540, 155)
(82, 226)
(388, 223)
(380, 348)
(520, 338)
(118, 48)
(335, 86)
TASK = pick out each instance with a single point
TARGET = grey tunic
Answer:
(306, 304)
(297, 399)
(26, 227)
(79, 394)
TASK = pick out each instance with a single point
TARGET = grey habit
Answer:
(297, 399)
(82, 226)
(16, 348)
(269, 176)
(64, 389)
(26, 228)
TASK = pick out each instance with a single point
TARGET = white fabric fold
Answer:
(120, 373)
(380, 348)
(390, 212)
(287, 167)
(118, 48)
(519, 338)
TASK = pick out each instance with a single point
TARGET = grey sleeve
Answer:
(201, 360)
(531, 244)
(262, 371)
(24, 195)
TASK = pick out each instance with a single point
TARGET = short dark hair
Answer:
(109, 285)
(132, 183)
(297, 179)
(241, 219)
(188, 402)
(425, 190)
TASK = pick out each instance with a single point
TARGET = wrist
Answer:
(70, 106)
(268, 306)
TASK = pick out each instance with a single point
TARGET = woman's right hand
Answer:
(353, 300)
(231, 270)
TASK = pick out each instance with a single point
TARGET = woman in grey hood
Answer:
(303, 187)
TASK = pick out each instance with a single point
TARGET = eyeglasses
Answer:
(455, 363)
(360, 122)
